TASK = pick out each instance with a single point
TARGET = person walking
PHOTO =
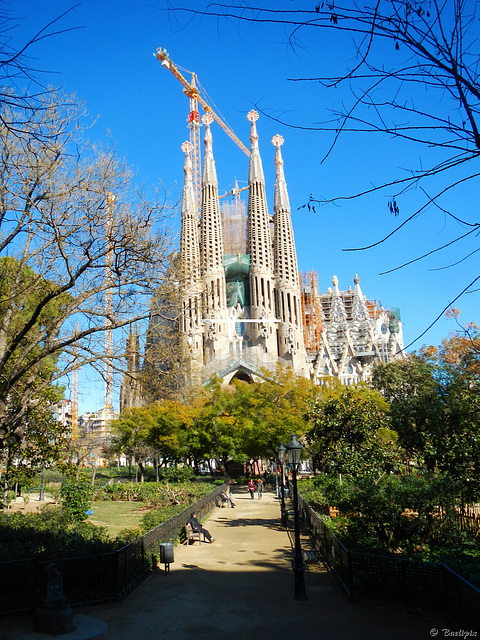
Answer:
(259, 488)
(251, 488)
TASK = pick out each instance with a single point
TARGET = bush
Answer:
(176, 474)
(76, 497)
(153, 518)
(126, 536)
(53, 533)
(49, 536)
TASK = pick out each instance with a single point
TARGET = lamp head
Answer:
(281, 452)
(294, 449)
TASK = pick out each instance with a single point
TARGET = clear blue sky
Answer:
(108, 62)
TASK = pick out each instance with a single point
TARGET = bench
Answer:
(191, 534)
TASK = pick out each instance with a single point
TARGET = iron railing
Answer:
(100, 578)
(401, 582)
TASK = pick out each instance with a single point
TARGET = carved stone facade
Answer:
(244, 308)
(355, 334)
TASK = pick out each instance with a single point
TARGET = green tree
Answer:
(350, 432)
(130, 434)
(268, 412)
(216, 429)
(434, 405)
(44, 440)
(413, 392)
(170, 421)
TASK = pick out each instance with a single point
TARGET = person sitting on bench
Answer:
(226, 498)
(196, 526)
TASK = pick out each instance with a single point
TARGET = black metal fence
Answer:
(95, 579)
(401, 582)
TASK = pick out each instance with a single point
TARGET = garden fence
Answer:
(402, 582)
(95, 579)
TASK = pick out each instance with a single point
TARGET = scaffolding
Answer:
(235, 227)
(311, 311)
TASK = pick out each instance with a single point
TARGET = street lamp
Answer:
(281, 456)
(294, 449)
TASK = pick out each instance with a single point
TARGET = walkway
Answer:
(238, 587)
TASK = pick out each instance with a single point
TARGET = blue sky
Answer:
(108, 62)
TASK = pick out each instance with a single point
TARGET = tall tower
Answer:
(262, 279)
(191, 328)
(130, 391)
(291, 346)
(214, 294)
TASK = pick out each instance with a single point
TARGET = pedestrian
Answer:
(251, 488)
(259, 488)
(196, 526)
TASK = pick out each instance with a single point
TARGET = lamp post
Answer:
(294, 449)
(40, 495)
(281, 457)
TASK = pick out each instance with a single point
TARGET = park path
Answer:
(240, 586)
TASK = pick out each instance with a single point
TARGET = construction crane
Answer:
(75, 388)
(192, 92)
(108, 301)
(75, 399)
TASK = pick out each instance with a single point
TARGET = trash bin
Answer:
(166, 552)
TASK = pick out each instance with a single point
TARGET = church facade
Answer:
(244, 308)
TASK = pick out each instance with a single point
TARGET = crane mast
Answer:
(191, 91)
(108, 301)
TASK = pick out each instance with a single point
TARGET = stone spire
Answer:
(338, 313)
(262, 279)
(132, 351)
(212, 231)
(189, 246)
(290, 330)
(191, 328)
(359, 305)
(215, 296)
(131, 390)
(286, 266)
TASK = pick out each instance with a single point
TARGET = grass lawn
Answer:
(116, 516)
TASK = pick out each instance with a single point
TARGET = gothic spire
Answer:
(289, 307)
(212, 230)
(281, 201)
(189, 247)
(286, 266)
(255, 173)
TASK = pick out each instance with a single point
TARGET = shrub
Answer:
(176, 474)
(76, 497)
(48, 535)
(126, 536)
(153, 518)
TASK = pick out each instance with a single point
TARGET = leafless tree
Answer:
(21, 85)
(81, 253)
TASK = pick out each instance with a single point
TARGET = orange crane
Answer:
(192, 92)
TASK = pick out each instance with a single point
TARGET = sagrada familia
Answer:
(244, 306)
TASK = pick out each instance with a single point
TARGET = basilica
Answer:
(244, 307)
